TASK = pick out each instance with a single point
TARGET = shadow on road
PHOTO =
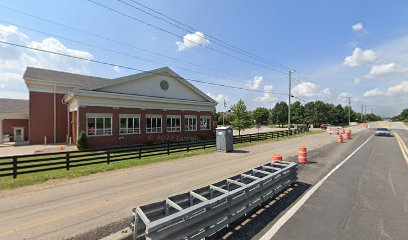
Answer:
(248, 227)
(240, 151)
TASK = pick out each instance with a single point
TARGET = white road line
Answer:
(404, 148)
(275, 228)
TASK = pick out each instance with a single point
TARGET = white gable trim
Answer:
(136, 97)
(95, 87)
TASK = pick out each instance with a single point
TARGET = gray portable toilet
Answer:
(224, 139)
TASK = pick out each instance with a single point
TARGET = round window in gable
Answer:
(164, 85)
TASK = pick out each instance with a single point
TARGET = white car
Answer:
(382, 132)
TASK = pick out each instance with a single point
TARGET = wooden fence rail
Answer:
(33, 163)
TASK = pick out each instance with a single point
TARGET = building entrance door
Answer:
(18, 134)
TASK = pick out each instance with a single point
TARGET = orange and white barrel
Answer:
(348, 135)
(277, 157)
(302, 154)
(340, 138)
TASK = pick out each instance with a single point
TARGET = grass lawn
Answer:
(35, 178)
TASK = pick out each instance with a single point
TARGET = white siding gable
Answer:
(150, 86)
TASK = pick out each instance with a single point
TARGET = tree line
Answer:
(312, 113)
(403, 116)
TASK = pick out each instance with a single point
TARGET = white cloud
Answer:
(357, 27)
(309, 89)
(398, 88)
(356, 80)
(117, 69)
(384, 69)
(192, 40)
(360, 57)
(14, 61)
(220, 98)
(373, 93)
(267, 96)
(255, 83)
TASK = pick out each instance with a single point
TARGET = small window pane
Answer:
(99, 123)
(130, 123)
(123, 123)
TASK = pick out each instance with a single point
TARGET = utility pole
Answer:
(349, 108)
(290, 96)
(362, 112)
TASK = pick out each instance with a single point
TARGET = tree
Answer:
(403, 116)
(82, 143)
(240, 118)
(261, 115)
(297, 113)
(280, 113)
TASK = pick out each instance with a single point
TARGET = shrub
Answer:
(82, 143)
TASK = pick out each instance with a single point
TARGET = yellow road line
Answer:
(403, 147)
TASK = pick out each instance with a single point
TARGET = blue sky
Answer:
(317, 39)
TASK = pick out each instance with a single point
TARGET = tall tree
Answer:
(280, 113)
(261, 115)
(240, 118)
(297, 115)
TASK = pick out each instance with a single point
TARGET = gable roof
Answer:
(13, 105)
(164, 71)
(64, 78)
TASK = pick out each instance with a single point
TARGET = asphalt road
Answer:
(93, 206)
(366, 198)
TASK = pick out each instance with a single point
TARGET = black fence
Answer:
(33, 163)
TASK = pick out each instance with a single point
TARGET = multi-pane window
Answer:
(205, 123)
(153, 123)
(173, 123)
(129, 124)
(98, 125)
(190, 123)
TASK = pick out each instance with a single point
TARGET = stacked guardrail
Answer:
(205, 211)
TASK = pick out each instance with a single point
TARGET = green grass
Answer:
(36, 178)
(406, 124)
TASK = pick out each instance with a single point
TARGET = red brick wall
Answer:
(9, 124)
(41, 109)
(117, 140)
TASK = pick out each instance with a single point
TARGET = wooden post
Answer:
(188, 146)
(108, 156)
(140, 151)
(168, 148)
(67, 160)
(15, 167)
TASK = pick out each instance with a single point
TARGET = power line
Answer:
(179, 36)
(188, 28)
(111, 40)
(116, 52)
(132, 68)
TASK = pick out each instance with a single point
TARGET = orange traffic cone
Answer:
(340, 138)
(302, 155)
(277, 157)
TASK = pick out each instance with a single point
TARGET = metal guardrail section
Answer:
(203, 212)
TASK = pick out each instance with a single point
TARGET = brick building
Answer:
(153, 106)
(13, 120)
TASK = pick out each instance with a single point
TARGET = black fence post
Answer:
(188, 146)
(168, 148)
(67, 161)
(140, 151)
(250, 137)
(257, 137)
(204, 144)
(15, 167)
(240, 138)
(108, 156)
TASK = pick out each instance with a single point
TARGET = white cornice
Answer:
(87, 93)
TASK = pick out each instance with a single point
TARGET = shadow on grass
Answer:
(258, 219)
